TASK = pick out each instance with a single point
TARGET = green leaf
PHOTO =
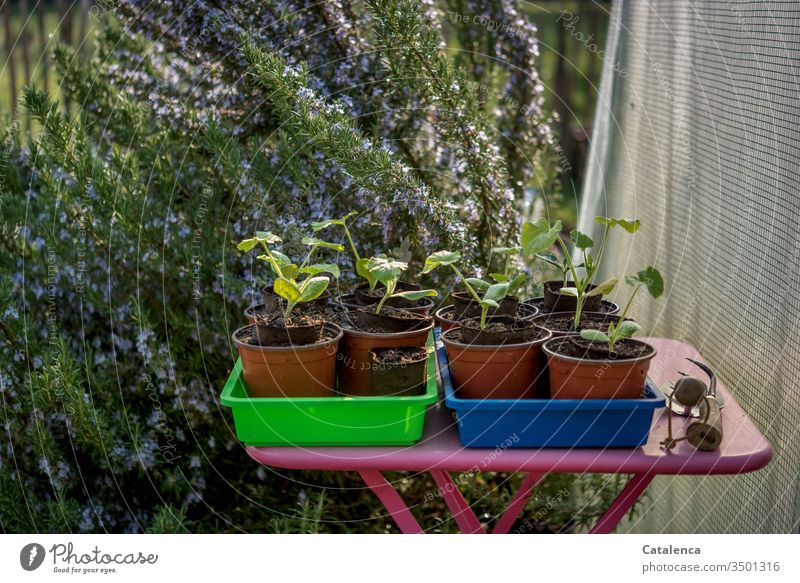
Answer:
(314, 242)
(549, 258)
(539, 236)
(279, 257)
(630, 225)
(495, 292)
(581, 241)
(499, 277)
(441, 258)
(515, 283)
(603, 288)
(318, 226)
(317, 268)
(627, 329)
(506, 250)
(261, 237)
(651, 278)
(290, 271)
(313, 287)
(569, 291)
(363, 271)
(478, 284)
(286, 289)
(489, 303)
(385, 268)
(594, 335)
(416, 294)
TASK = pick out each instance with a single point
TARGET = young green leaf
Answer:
(363, 271)
(478, 283)
(313, 287)
(603, 288)
(314, 242)
(318, 226)
(515, 283)
(498, 277)
(385, 269)
(264, 237)
(630, 225)
(594, 335)
(627, 329)
(318, 268)
(581, 241)
(651, 278)
(495, 293)
(569, 291)
(288, 290)
(416, 294)
(440, 258)
(539, 236)
(550, 258)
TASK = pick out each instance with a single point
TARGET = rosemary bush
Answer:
(193, 125)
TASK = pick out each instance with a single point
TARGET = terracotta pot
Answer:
(606, 306)
(289, 371)
(465, 306)
(508, 371)
(423, 306)
(297, 335)
(353, 366)
(399, 378)
(555, 302)
(445, 317)
(582, 378)
(543, 319)
(364, 297)
(274, 303)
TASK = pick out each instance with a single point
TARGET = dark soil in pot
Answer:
(422, 306)
(398, 371)
(577, 347)
(560, 323)
(606, 306)
(365, 297)
(300, 329)
(498, 330)
(555, 302)
(446, 319)
(465, 306)
(390, 320)
(274, 303)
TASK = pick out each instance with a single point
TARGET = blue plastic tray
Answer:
(508, 423)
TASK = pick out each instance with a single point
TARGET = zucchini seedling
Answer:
(387, 271)
(361, 263)
(286, 272)
(649, 278)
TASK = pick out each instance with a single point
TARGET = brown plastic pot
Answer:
(274, 303)
(289, 371)
(399, 379)
(466, 306)
(423, 306)
(353, 366)
(509, 371)
(543, 319)
(583, 378)
(555, 302)
(606, 306)
(445, 317)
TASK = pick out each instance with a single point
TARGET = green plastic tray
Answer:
(312, 421)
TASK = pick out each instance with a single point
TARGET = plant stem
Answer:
(600, 254)
(350, 240)
(466, 284)
(272, 261)
(568, 258)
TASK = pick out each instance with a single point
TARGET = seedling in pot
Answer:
(650, 279)
(535, 235)
(492, 293)
(286, 285)
(514, 278)
(362, 263)
(387, 271)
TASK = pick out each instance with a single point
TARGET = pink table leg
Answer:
(511, 513)
(465, 517)
(391, 500)
(629, 495)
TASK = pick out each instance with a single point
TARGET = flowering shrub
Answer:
(196, 125)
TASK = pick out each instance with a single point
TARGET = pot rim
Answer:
(438, 312)
(529, 302)
(291, 347)
(348, 300)
(604, 315)
(408, 333)
(554, 354)
(469, 297)
(495, 347)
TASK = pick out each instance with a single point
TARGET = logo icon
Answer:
(31, 556)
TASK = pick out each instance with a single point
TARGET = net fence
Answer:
(696, 133)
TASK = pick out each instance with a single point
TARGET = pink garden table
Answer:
(744, 449)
